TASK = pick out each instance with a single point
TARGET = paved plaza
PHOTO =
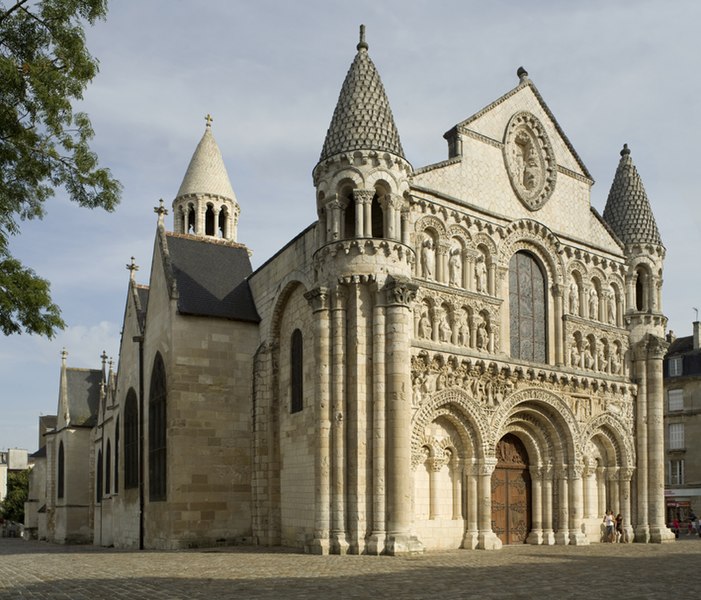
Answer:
(619, 571)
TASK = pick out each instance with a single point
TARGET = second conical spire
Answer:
(363, 118)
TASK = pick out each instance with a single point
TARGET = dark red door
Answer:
(511, 492)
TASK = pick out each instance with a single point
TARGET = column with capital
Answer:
(376, 541)
(659, 532)
(339, 543)
(487, 539)
(471, 538)
(435, 464)
(547, 512)
(400, 294)
(535, 536)
(562, 535)
(642, 528)
(626, 474)
(558, 315)
(442, 253)
(577, 537)
(362, 198)
(319, 301)
(333, 219)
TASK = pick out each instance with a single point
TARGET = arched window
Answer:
(191, 219)
(116, 458)
(61, 473)
(377, 218)
(108, 469)
(209, 221)
(527, 308)
(296, 375)
(98, 483)
(349, 216)
(157, 431)
(131, 441)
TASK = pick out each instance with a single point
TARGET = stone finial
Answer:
(161, 211)
(362, 44)
(103, 356)
(132, 267)
(625, 151)
(208, 119)
(522, 74)
(64, 356)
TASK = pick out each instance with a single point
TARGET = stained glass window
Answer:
(527, 308)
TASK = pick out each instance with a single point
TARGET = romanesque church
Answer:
(460, 355)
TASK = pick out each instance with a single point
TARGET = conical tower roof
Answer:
(206, 173)
(363, 119)
(628, 210)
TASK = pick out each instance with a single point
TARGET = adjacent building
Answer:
(459, 355)
(683, 425)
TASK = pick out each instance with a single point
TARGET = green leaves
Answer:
(44, 68)
(12, 507)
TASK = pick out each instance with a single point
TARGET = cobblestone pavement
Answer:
(619, 571)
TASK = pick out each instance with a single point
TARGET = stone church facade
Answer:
(464, 354)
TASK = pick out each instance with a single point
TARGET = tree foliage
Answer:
(12, 507)
(45, 67)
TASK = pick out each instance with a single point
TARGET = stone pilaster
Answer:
(471, 538)
(548, 533)
(642, 529)
(577, 537)
(535, 536)
(562, 535)
(400, 294)
(319, 301)
(487, 539)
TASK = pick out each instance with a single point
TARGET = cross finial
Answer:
(362, 44)
(209, 120)
(161, 211)
(111, 362)
(132, 267)
(103, 356)
(64, 355)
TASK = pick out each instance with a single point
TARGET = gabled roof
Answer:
(628, 210)
(141, 301)
(82, 396)
(206, 173)
(210, 277)
(525, 82)
(363, 118)
(681, 345)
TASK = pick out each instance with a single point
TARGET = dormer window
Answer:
(674, 365)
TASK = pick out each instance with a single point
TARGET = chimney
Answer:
(697, 335)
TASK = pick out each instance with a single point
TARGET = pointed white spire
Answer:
(206, 173)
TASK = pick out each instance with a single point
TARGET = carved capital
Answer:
(363, 196)
(626, 473)
(487, 466)
(339, 296)
(318, 299)
(400, 291)
(656, 347)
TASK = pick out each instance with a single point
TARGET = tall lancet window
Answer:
(157, 431)
(61, 472)
(527, 308)
(296, 375)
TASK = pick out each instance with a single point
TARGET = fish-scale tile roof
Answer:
(206, 173)
(363, 118)
(628, 210)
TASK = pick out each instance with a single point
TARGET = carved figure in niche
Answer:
(463, 329)
(445, 328)
(531, 172)
(428, 259)
(575, 355)
(601, 358)
(483, 336)
(425, 328)
(616, 361)
(587, 356)
(593, 304)
(455, 267)
(481, 274)
(418, 388)
(611, 309)
(574, 299)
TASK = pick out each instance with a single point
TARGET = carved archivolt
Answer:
(618, 431)
(534, 237)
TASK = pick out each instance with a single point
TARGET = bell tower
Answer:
(206, 204)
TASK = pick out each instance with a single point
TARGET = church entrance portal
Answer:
(511, 492)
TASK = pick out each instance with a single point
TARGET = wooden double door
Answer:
(511, 492)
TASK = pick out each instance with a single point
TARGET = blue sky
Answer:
(269, 72)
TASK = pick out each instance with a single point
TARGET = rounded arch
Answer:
(285, 288)
(456, 406)
(158, 431)
(613, 435)
(533, 237)
(546, 409)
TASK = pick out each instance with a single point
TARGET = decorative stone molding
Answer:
(400, 292)
(318, 299)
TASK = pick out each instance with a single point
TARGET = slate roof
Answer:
(142, 299)
(628, 209)
(83, 396)
(210, 276)
(206, 173)
(363, 118)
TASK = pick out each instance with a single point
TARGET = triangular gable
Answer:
(491, 122)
